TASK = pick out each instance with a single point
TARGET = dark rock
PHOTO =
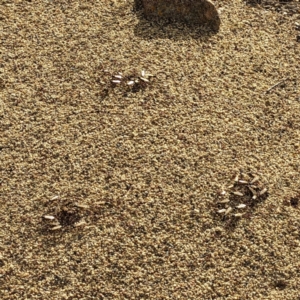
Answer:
(201, 12)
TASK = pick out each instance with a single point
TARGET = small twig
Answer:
(275, 85)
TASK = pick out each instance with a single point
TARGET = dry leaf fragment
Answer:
(224, 201)
(144, 79)
(263, 191)
(239, 215)
(48, 217)
(228, 210)
(255, 179)
(80, 223)
(238, 193)
(241, 206)
(100, 202)
(243, 181)
(56, 227)
(236, 179)
(79, 205)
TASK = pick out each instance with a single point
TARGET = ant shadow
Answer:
(153, 28)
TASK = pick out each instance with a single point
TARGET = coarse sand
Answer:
(128, 148)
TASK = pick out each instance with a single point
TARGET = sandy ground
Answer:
(140, 183)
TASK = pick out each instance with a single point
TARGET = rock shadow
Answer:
(288, 7)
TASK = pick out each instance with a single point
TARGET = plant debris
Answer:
(242, 196)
